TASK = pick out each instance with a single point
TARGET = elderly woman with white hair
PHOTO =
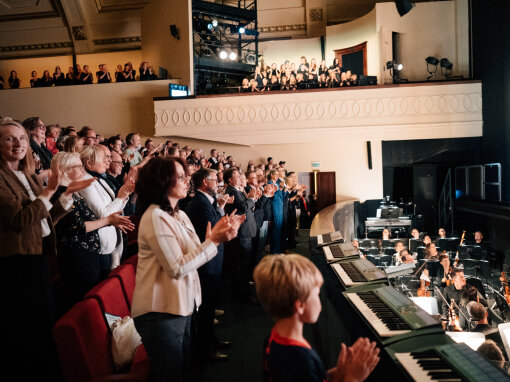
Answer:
(102, 200)
(79, 246)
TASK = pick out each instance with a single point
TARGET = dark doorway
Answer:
(324, 184)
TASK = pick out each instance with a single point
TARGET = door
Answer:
(324, 184)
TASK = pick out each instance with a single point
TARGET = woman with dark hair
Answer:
(431, 252)
(335, 69)
(46, 81)
(119, 76)
(167, 289)
(42, 156)
(58, 77)
(128, 73)
(14, 81)
(28, 240)
(85, 76)
(34, 80)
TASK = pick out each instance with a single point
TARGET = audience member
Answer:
(131, 153)
(52, 134)
(58, 77)
(288, 287)
(168, 290)
(103, 75)
(42, 156)
(14, 81)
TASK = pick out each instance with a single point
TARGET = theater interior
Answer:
(425, 147)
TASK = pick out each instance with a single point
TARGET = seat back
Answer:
(110, 296)
(83, 342)
(133, 260)
(127, 277)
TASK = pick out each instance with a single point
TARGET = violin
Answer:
(506, 288)
(453, 319)
(456, 262)
(424, 284)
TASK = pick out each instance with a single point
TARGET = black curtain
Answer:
(353, 62)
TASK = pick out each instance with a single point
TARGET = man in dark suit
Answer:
(204, 208)
(240, 249)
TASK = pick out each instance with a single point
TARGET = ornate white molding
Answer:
(393, 112)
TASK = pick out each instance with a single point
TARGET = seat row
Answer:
(83, 337)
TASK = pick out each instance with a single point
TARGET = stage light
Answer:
(206, 52)
(399, 67)
(394, 69)
(431, 61)
(242, 30)
(232, 56)
(250, 59)
(209, 26)
(447, 65)
(223, 54)
(215, 23)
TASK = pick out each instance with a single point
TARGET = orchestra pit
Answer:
(206, 190)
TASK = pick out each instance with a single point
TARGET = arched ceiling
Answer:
(30, 28)
(50, 27)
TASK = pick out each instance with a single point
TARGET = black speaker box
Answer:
(404, 6)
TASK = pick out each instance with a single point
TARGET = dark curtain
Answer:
(353, 62)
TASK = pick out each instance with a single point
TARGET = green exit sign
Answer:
(316, 164)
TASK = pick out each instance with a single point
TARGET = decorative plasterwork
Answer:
(282, 28)
(50, 45)
(392, 112)
(118, 5)
(118, 40)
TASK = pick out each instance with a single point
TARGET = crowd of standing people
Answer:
(72, 201)
(78, 75)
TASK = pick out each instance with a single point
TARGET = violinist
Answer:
(427, 239)
(404, 257)
(415, 234)
(455, 290)
(386, 234)
(442, 234)
(431, 252)
(479, 315)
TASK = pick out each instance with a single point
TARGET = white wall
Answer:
(427, 30)
(292, 50)
(353, 33)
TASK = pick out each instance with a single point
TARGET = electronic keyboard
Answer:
(329, 238)
(357, 272)
(342, 251)
(388, 312)
(451, 362)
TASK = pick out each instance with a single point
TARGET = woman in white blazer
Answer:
(167, 287)
(103, 202)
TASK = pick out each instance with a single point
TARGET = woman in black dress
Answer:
(245, 87)
(258, 77)
(58, 77)
(70, 78)
(128, 73)
(275, 85)
(146, 73)
(323, 68)
(14, 81)
(335, 68)
(34, 80)
(46, 81)
(78, 244)
(85, 76)
(119, 76)
(274, 71)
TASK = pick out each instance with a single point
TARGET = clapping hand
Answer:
(356, 362)
(121, 222)
(252, 194)
(78, 185)
(126, 190)
(224, 199)
(224, 230)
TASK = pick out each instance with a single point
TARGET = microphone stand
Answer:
(449, 305)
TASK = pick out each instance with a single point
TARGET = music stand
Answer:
(389, 251)
(414, 244)
(421, 252)
(428, 304)
(442, 243)
(504, 332)
(471, 339)
(386, 243)
(373, 259)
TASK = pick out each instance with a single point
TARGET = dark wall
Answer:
(491, 64)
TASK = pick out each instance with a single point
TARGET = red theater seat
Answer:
(133, 260)
(127, 277)
(110, 296)
(83, 342)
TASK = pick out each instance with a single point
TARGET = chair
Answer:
(133, 260)
(111, 297)
(127, 277)
(83, 342)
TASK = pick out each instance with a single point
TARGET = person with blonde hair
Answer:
(288, 288)
(103, 201)
(79, 245)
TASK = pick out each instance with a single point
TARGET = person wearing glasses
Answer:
(103, 201)
(167, 289)
(89, 136)
(78, 244)
(42, 156)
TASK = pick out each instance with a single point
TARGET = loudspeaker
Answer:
(174, 31)
(404, 6)
(369, 155)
